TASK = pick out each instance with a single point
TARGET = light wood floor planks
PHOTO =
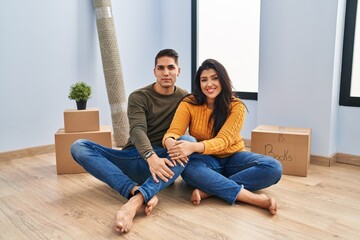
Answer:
(35, 203)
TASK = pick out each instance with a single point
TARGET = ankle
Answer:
(133, 190)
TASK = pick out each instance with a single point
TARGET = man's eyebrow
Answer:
(170, 65)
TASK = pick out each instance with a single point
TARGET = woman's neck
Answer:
(210, 103)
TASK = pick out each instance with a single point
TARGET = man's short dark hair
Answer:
(167, 53)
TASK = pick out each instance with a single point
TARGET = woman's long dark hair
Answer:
(222, 104)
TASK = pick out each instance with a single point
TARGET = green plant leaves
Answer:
(80, 91)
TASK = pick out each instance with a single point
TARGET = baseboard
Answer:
(348, 159)
(26, 152)
(323, 161)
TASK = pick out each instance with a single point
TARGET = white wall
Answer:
(47, 45)
(297, 49)
(349, 130)
(43, 52)
(175, 27)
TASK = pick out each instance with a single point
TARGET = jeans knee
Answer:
(190, 170)
(185, 176)
(77, 147)
(278, 170)
(188, 138)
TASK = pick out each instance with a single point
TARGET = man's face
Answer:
(166, 72)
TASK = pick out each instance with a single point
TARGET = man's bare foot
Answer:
(125, 216)
(260, 200)
(151, 204)
(197, 195)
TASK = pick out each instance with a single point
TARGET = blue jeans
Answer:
(121, 169)
(225, 177)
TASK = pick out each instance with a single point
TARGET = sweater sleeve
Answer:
(179, 123)
(137, 105)
(229, 133)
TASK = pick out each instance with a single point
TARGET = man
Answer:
(142, 168)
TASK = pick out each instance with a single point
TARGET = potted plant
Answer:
(80, 92)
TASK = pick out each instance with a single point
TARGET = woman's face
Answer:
(210, 84)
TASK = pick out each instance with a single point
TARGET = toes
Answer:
(273, 206)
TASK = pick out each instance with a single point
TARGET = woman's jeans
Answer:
(121, 169)
(225, 177)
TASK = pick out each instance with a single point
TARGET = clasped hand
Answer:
(179, 152)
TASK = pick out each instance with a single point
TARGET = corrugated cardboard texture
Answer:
(64, 162)
(291, 146)
(81, 120)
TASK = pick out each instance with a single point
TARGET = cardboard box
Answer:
(291, 146)
(81, 120)
(63, 141)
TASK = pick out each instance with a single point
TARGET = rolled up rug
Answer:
(112, 70)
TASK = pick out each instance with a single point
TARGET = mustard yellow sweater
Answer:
(225, 143)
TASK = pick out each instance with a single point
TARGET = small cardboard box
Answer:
(64, 162)
(81, 120)
(291, 146)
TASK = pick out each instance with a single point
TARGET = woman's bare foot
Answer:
(259, 200)
(197, 195)
(151, 204)
(125, 216)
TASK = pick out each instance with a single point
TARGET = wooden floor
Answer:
(35, 203)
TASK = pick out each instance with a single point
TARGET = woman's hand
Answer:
(175, 155)
(180, 150)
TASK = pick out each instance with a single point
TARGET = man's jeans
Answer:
(225, 177)
(121, 169)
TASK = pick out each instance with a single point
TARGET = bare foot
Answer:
(151, 205)
(260, 200)
(273, 206)
(197, 195)
(125, 216)
(267, 203)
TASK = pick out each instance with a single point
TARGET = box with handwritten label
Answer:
(290, 146)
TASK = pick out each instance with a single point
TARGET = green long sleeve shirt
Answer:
(150, 114)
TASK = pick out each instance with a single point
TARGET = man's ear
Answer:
(179, 70)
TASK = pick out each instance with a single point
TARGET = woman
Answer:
(218, 163)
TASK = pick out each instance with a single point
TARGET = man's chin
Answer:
(167, 85)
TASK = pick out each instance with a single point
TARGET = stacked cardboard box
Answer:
(291, 146)
(81, 120)
(78, 124)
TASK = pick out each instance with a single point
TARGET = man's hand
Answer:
(159, 168)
